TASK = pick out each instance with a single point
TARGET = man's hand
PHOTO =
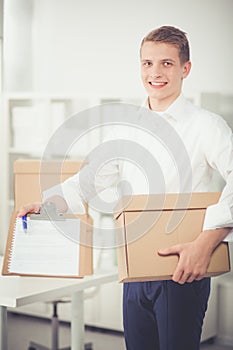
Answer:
(60, 203)
(193, 261)
(194, 257)
(29, 208)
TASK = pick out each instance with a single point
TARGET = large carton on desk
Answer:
(32, 177)
(146, 223)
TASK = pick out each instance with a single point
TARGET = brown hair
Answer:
(173, 36)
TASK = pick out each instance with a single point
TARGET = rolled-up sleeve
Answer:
(85, 185)
(219, 154)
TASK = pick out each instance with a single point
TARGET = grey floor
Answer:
(22, 329)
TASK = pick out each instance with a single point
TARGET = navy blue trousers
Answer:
(164, 315)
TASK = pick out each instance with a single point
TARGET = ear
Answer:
(186, 69)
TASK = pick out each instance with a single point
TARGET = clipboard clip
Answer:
(48, 211)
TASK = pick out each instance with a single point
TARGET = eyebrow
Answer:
(162, 60)
(168, 59)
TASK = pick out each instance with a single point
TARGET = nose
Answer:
(155, 72)
(154, 76)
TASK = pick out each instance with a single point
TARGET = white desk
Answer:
(17, 291)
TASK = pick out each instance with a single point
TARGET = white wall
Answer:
(17, 54)
(1, 18)
(91, 48)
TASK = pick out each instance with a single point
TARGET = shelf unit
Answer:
(29, 120)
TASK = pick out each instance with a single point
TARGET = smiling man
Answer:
(168, 315)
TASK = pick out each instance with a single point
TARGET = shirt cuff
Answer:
(229, 237)
(218, 216)
(67, 192)
(73, 199)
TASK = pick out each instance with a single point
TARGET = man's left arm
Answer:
(194, 257)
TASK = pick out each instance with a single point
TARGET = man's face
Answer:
(162, 73)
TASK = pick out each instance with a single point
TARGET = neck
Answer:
(161, 105)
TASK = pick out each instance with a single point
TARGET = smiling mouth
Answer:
(157, 84)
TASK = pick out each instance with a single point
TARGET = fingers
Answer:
(170, 251)
(184, 278)
(191, 265)
(192, 278)
(29, 208)
(188, 267)
(184, 275)
(180, 275)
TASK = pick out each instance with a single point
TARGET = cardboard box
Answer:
(28, 188)
(31, 177)
(146, 223)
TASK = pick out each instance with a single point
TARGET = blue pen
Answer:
(24, 221)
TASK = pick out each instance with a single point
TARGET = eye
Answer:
(146, 63)
(167, 63)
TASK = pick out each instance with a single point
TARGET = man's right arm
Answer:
(76, 191)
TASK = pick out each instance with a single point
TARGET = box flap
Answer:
(168, 201)
(35, 166)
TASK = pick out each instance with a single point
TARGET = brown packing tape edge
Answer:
(121, 255)
(156, 210)
(82, 248)
(196, 200)
(146, 279)
(126, 247)
(164, 277)
(89, 246)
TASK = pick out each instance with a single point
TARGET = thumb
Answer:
(169, 251)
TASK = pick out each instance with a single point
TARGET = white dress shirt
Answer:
(208, 143)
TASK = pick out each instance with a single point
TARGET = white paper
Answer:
(48, 248)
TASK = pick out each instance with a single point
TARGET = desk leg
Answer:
(77, 321)
(3, 328)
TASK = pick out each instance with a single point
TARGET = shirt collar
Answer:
(177, 110)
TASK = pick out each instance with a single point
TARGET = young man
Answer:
(168, 315)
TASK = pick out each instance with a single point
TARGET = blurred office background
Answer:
(59, 57)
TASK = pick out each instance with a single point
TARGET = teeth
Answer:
(156, 84)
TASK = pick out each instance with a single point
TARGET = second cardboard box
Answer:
(146, 223)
